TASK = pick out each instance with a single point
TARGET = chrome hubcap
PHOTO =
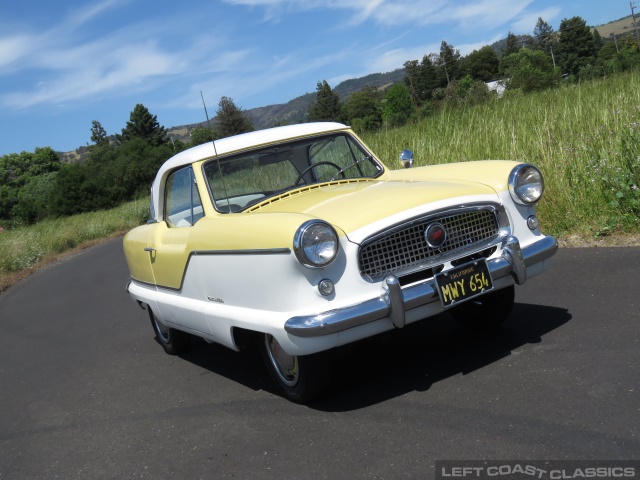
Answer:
(285, 365)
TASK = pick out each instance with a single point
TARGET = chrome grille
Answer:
(404, 249)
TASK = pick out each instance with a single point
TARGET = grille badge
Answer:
(436, 235)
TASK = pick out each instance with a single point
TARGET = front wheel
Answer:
(300, 378)
(487, 312)
(172, 341)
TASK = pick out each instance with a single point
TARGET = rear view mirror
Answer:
(275, 157)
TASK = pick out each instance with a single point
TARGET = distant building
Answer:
(496, 86)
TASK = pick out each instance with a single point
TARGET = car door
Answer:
(171, 251)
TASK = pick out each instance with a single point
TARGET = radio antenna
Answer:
(215, 151)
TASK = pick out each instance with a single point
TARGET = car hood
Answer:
(354, 204)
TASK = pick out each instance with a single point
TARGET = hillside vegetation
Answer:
(618, 28)
(28, 248)
(584, 137)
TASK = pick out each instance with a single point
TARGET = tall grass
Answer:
(584, 138)
(573, 134)
(23, 248)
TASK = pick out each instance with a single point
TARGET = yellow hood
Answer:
(351, 205)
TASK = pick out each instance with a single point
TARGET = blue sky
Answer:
(66, 63)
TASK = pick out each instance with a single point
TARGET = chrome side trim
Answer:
(394, 301)
(261, 251)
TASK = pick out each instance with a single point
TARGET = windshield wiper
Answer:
(357, 162)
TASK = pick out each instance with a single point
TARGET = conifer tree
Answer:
(143, 125)
(575, 48)
(448, 61)
(231, 120)
(98, 133)
(544, 36)
(327, 105)
(512, 45)
(597, 40)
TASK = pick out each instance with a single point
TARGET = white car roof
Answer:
(237, 143)
(247, 140)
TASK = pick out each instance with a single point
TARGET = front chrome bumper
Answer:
(395, 300)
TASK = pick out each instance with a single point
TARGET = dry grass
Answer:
(26, 249)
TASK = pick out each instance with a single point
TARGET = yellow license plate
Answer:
(463, 283)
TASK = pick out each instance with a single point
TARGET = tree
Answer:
(422, 78)
(398, 105)
(627, 41)
(22, 192)
(364, 109)
(8, 199)
(530, 70)
(98, 133)
(67, 197)
(544, 37)
(200, 135)
(231, 120)
(142, 124)
(34, 197)
(327, 105)
(597, 40)
(612, 60)
(512, 45)
(481, 64)
(575, 48)
(448, 61)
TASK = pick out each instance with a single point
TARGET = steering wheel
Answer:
(310, 167)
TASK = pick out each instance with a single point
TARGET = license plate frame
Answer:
(463, 283)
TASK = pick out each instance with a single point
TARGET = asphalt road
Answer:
(86, 392)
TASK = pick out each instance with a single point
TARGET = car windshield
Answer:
(239, 181)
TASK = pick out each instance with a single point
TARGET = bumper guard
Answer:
(395, 301)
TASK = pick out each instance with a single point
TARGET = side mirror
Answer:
(406, 158)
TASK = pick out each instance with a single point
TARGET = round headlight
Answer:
(525, 184)
(315, 244)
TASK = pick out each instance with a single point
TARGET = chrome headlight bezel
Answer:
(311, 236)
(526, 184)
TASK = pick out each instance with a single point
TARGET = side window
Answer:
(183, 207)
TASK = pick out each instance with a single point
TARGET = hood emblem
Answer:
(436, 235)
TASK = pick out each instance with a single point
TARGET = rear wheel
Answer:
(301, 379)
(487, 312)
(172, 341)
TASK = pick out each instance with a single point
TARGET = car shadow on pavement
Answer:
(426, 352)
(396, 362)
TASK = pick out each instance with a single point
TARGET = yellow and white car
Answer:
(301, 237)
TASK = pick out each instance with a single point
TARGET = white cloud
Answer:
(13, 49)
(84, 15)
(488, 13)
(485, 13)
(395, 58)
(63, 68)
(527, 22)
(251, 78)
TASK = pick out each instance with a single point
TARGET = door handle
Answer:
(149, 249)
